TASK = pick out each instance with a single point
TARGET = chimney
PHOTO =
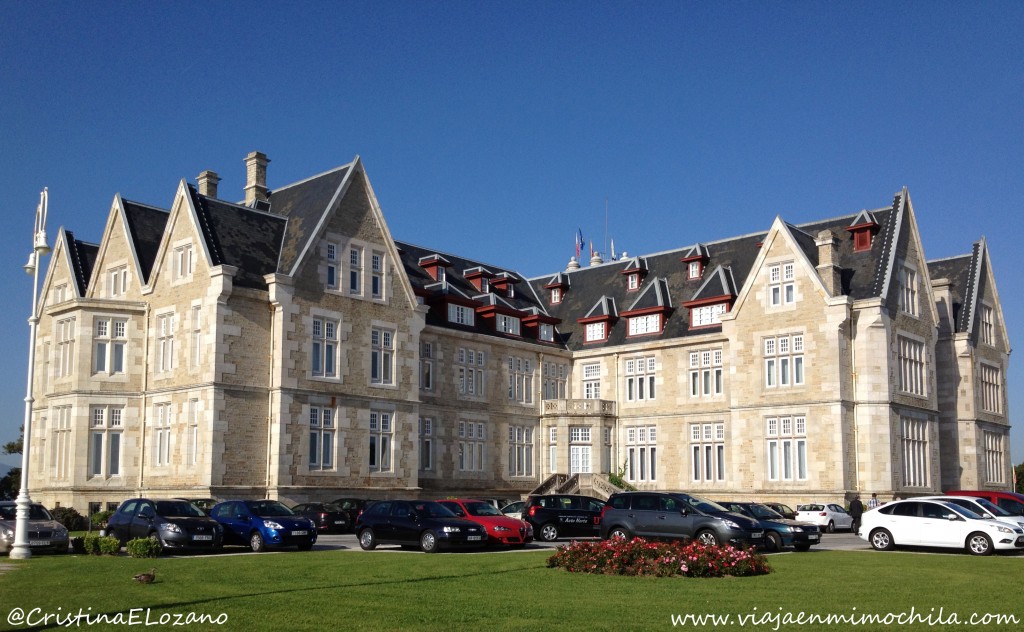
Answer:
(208, 183)
(828, 264)
(256, 178)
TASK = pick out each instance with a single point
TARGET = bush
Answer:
(78, 545)
(71, 519)
(99, 519)
(93, 544)
(144, 547)
(659, 559)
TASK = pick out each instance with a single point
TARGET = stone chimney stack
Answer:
(828, 264)
(208, 183)
(256, 177)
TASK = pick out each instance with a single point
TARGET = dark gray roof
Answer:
(304, 204)
(240, 236)
(83, 257)
(145, 226)
(958, 271)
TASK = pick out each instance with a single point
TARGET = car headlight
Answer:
(731, 524)
(1004, 530)
(170, 526)
(60, 532)
(501, 528)
(451, 529)
(796, 529)
(270, 524)
(6, 533)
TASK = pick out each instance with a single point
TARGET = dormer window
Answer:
(863, 228)
(693, 270)
(507, 324)
(511, 291)
(546, 332)
(707, 315)
(595, 332)
(633, 281)
(556, 295)
(460, 314)
(118, 281)
(646, 324)
(485, 285)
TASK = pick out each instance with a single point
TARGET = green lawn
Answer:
(340, 590)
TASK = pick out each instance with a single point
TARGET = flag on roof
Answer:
(579, 242)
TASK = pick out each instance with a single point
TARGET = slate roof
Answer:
(304, 204)
(958, 271)
(83, 257)
(146, 226)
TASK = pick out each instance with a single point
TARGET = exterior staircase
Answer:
(596, 485)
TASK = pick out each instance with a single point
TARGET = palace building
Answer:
(287, 346)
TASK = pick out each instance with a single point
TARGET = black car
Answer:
(416, 522)
(176, 523)
(779, 532)
(676, 516)
(327, 517)
(563, 515)
(352, 507)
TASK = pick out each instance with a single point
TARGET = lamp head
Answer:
(40, 244)
(30, 267)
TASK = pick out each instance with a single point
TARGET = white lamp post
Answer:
(20, 549)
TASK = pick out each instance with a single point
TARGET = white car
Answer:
(828, 516)
(981, 506)
(514, 510)
(937, 523)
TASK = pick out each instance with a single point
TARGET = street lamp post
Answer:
(20, 549)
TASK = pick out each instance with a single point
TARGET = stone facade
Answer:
(289, 347)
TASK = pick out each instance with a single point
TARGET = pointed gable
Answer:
(647, 315)
(145, 226)
(305, 205)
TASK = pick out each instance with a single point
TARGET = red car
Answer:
(500, 528)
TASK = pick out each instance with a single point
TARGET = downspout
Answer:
(145, 399)
(270, 396)
(614, 467)
(854, 399)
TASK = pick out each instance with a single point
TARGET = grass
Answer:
(389, 590)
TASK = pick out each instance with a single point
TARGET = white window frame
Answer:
(520, 451)
(166, 324)
(110, 345)
(909, 291)
(520, 380)
(322, 438)
(707, 452)
(426, 366)
(642, 454)
(994, 455)
(988, 325)
(182, 262)
(163, 416)
(592, 381)
(554, 377)
(786, 448)
(65, 347)
(192, 436)
(914, 445)
(331, 265)
(382, 434)
(461, 315)
(707, 375)
(323, 347)
(62, 446)
(911, 357)
(471, 446)
(781, 284)
(991, 388)
(469, 371)
(784, 361)
(382, 356)
(426, 432)
(377, 270)
(507, 324)
(196, 336)
(707, 315)
(641, 377)
(117, 279)
(645, 325)
(355, 270)
(106, 446)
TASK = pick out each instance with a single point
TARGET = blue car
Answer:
(779, 532)
(263, 524)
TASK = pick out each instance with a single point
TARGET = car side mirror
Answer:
(986, 515)
(460, 513)
(952, 517)
(684, 512)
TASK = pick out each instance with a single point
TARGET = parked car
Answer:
(425, 523)
(206, 504)
(328, 517)
(514, 510)
(44, 533)
(176, 523)
(1009, 501)
(500, 528)
(936, 523)
(553, 516)
(263, 524)
(779, 532)
(981, 506)
(782, 509)
(828, 516)
(677, 516)
(352, 507)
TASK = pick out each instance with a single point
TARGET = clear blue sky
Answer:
(496, 129)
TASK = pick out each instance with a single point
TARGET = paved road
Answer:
(843, 541)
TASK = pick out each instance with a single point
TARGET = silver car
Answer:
(44, 533)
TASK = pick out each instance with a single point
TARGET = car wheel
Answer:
(774, 541)
(428, 542)
(707, 538)
(549, 533)
(881, 540)
(830, 527)
(256, 542)
(367, 540)
(618, 533)
(979, 544)
(802, 547)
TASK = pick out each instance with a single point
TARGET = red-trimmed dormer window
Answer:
(693, 270)
(633, 281)
(863, 234)
(435, 266)
(644, 325)
(595, 332)
(556, 295)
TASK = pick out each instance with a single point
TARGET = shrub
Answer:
(78, 545)
(91, 544)
(109, 545)
(99, 519)
(144, 547)
(659, 559)
(71, 519)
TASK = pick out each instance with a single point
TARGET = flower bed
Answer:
(658, 559)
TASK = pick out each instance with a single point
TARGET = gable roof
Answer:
(145, 225)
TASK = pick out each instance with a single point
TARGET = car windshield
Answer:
(480, 508)
(809, 507)
(703, 504)
(35, 512)
(267, 508)
(764, 513)
(332, 508)
(992, 508)
(178, 508)
(966, 513)
(431, 509)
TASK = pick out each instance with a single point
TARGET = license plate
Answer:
(813, 537)
(202, 537)
(757, 535)
(39, 543)
(339, 522)
(475, 537)
(300, 532)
